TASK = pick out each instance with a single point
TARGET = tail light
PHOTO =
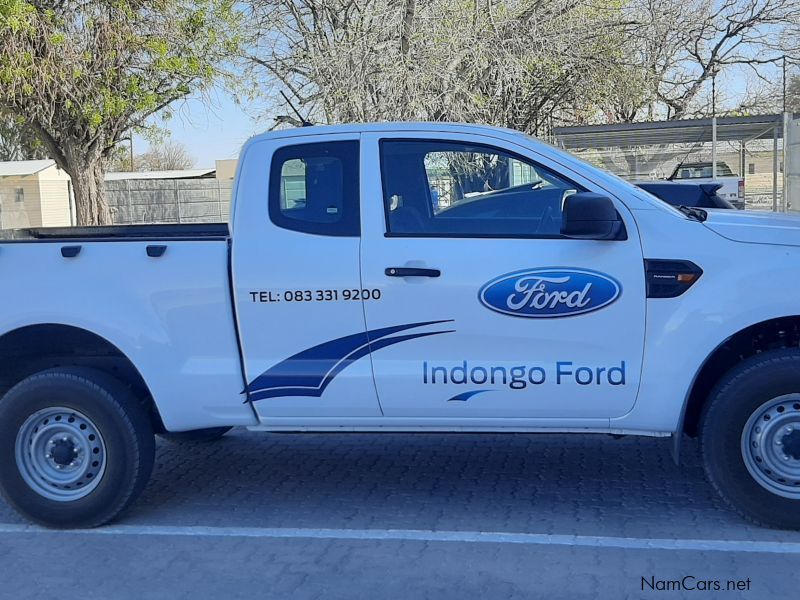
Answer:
(741, 189)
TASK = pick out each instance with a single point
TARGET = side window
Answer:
(313, 188)
(458, 189)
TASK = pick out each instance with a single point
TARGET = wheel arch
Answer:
(779, 332)
(33, 348)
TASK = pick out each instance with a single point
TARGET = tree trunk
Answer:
(88, 184)
(408, 27)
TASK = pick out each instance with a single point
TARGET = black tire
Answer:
(739, 395)
(123, 424)
(202, 436)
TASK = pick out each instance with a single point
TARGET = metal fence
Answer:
(643, 163)
(749, 147)
(169, 200)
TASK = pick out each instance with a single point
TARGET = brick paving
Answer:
(588, 485)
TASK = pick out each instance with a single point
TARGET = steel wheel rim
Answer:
(771, 445)
(60, 454)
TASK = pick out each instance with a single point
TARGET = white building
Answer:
(33, 193)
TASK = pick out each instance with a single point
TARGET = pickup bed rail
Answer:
(166, 231)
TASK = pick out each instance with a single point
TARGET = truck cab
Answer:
(402, 277)
(393, 235)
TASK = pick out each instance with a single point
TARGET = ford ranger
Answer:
(402, 278)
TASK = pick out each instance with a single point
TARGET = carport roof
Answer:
(691, 131)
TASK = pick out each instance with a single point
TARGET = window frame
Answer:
(495, 149)
(349, 154)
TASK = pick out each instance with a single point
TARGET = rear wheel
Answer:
(750, 438)
(76, 447)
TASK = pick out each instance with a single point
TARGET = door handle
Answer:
(411, 272)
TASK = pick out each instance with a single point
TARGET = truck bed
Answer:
(168, 231)
(161, 292)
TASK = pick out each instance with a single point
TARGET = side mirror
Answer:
(590, 216)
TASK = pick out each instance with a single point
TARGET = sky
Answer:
(211, 131)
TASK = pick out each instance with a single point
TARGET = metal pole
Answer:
(775, 168)
(713, 147)
(131, 147)
(742, 160)
(785, 132)
(785, 158)
(743, 172)
(714, 93)
(714, 125)
(784, 84)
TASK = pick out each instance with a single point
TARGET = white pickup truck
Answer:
(731, 186)
(402, 277)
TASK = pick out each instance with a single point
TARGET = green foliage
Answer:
(17, 142)
(82, 73)
(91, 69)
(16, 16)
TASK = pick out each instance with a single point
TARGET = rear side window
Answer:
(313, 188)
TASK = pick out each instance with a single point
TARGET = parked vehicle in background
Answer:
(700, 195)
(732, 188)
(530, 293)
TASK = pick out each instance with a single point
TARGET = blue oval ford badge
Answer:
(549, 292)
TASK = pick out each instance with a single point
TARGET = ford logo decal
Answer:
(549, 292)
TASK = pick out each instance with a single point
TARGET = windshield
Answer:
(603, 176)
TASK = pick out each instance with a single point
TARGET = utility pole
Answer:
(130, 137)
(785, 137)
(714, 123)
(713, 93)
(783, 60)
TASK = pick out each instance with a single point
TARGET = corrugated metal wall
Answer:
(793, 164)
(169, 200)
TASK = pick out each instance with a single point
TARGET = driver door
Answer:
(486, 311)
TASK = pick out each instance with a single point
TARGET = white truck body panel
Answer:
(173, 316)
(756, 227)
(274, 328)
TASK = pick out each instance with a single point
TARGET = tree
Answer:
(167, 155)
(17, 142)
(678, 46)
(521, 64)
(83, 72)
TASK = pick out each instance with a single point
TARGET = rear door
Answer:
(485, 312)
(297, 288)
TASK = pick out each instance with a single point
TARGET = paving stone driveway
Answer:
(583, 485)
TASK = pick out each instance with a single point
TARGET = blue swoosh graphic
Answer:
(309, 372)
(464, 396)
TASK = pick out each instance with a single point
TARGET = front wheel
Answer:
(750, 438)
(76, 447)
